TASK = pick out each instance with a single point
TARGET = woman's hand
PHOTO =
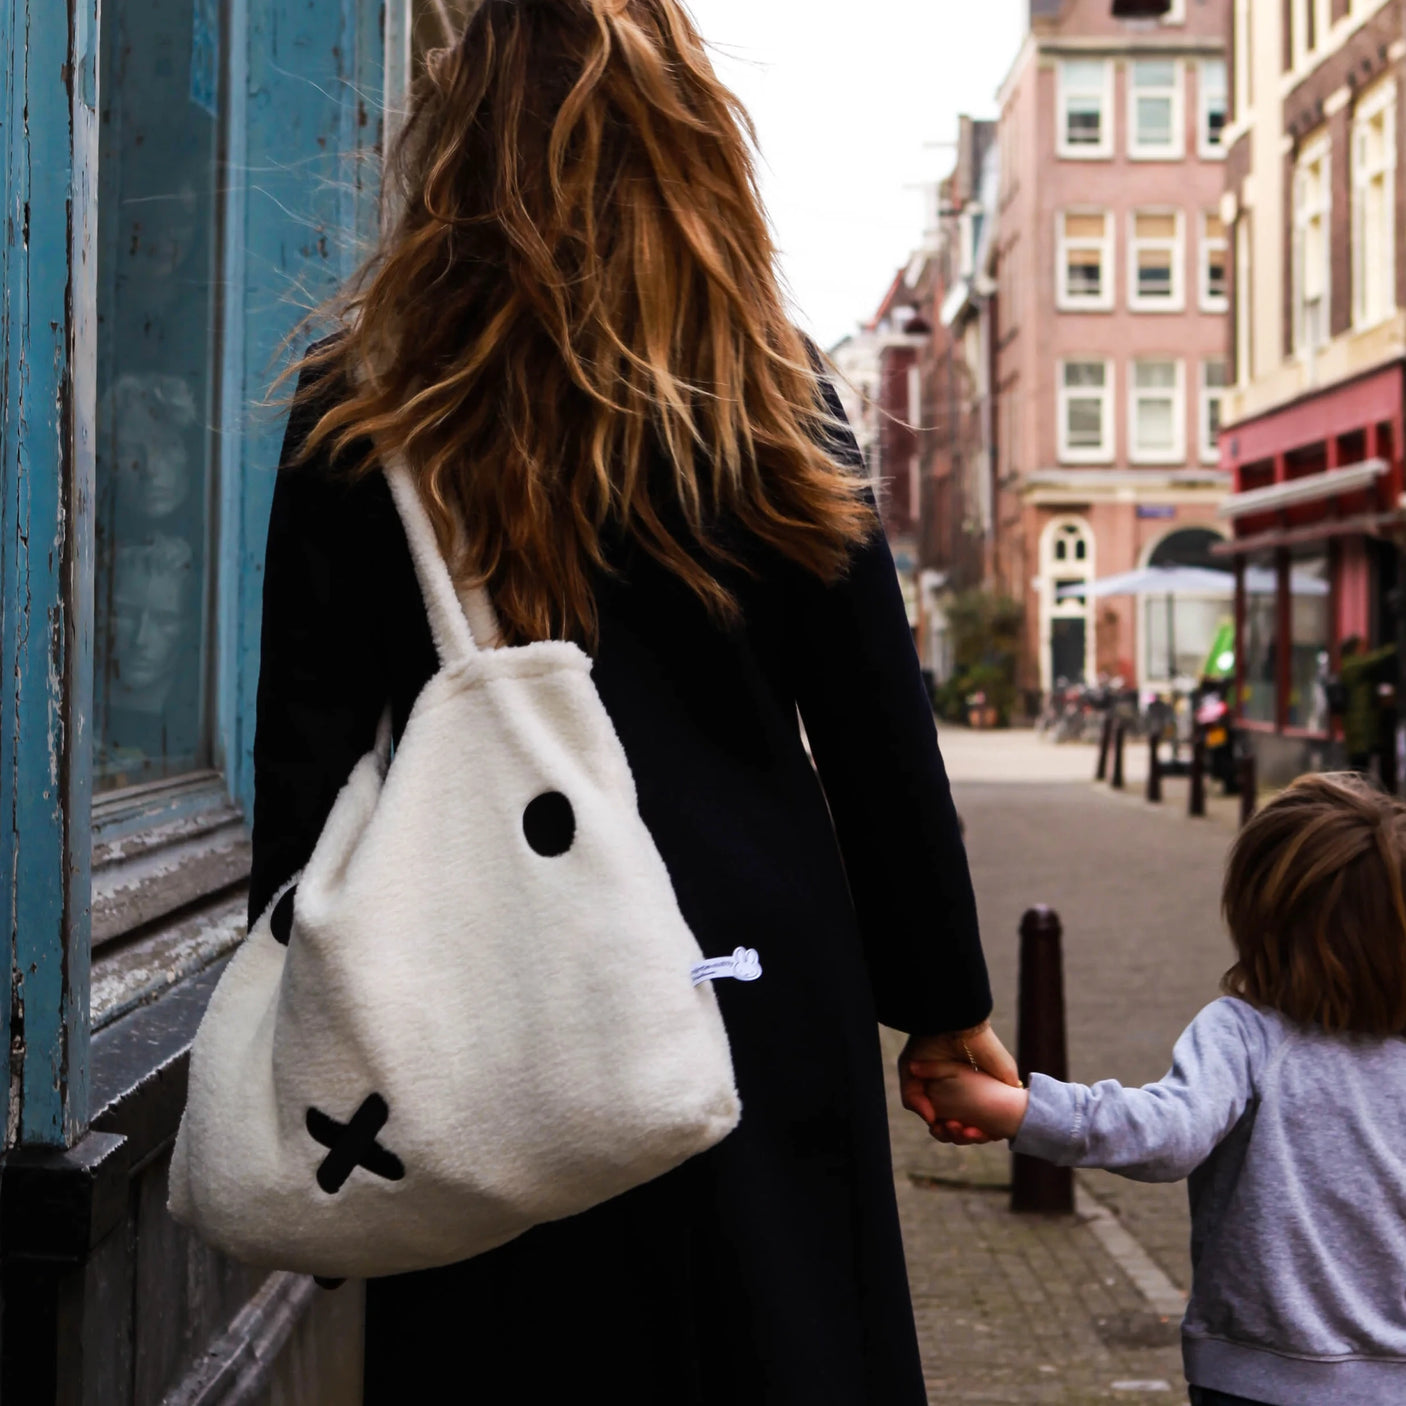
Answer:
(984, 1049)
(973, 1101)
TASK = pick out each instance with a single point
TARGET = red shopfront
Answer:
(1316, 512)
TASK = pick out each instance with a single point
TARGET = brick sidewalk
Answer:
(1027, 1309)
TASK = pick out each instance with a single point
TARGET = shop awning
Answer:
(1311, 488)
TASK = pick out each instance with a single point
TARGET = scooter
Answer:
(1213, 722)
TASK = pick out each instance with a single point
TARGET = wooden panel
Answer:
(186, 1294)
(48, 325)
(105, 1337)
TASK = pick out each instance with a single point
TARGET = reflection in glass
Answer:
(1311, 632)
(159, 159)
(1260, 696)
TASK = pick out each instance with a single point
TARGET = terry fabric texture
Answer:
(1295, 1145)
(354, 1113)
(769, 1269)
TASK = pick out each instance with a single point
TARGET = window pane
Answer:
(1215, 124)
(1180, 633)
(1258, 698)
(1215, 374)
(1215, 273)
(1215, 227)
(1085, 429)
(1213, 98)
(1155, 375)
(1085, 122)
(1083, 373)
(1084, 226)
(1084, 75)
(1155, 424)
(1084, 273)
(1154, 121)
(1155, 227)
(157, 211)
(1154, 273)
(1213, 417)
(1308, 669)
(1154, 73)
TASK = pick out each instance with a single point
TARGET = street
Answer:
(1082, 1309)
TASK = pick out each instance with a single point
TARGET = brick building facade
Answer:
(1110, 355)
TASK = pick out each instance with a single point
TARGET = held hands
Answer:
(961, 1104)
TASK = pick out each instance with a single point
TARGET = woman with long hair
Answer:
(573, 334)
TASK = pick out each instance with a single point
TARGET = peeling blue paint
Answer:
(45, 482)
(303, 83)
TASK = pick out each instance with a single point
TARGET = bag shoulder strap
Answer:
(459, 622)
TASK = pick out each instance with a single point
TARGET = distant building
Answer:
(881, 388)
(1314, 435)
(1110, 362)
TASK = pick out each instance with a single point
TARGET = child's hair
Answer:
(1315, 905)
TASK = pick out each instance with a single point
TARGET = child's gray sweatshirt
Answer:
(1295, 1144)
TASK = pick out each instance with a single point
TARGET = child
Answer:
(1285, 1107)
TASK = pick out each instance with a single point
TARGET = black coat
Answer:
(769, 1270)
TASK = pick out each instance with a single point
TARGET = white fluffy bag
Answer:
(487, 1012)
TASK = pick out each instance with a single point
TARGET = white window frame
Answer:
(1176, 302)
(1078, 152)
(1206, 246)
(1205, 147)
(1176, 13)
(1318, 151)
(1104, 454)
(1075, 302)
(1176, 454)
(1210, 446)
(1377, 105)
(1137, 151)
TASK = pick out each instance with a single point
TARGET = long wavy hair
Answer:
(573, 328)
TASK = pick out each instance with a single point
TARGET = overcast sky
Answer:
(846, 98)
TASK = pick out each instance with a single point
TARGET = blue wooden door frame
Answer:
(48, 124)
(306, 80)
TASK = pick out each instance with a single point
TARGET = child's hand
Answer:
(960, 1094)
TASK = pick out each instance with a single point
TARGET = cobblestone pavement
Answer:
(1031, 1309)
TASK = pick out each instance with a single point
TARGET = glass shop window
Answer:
(1259, 698)
(1312, 639)
(158, 315)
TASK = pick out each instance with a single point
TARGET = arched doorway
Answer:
(1175, 633)
(1066, 629)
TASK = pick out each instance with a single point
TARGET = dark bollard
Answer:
(1105, 741)
(1039, 1186)
(1117, 782)
(1154, 769)
(1197, 804)
(1248, 779)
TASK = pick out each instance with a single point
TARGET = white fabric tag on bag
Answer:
(743, 965)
